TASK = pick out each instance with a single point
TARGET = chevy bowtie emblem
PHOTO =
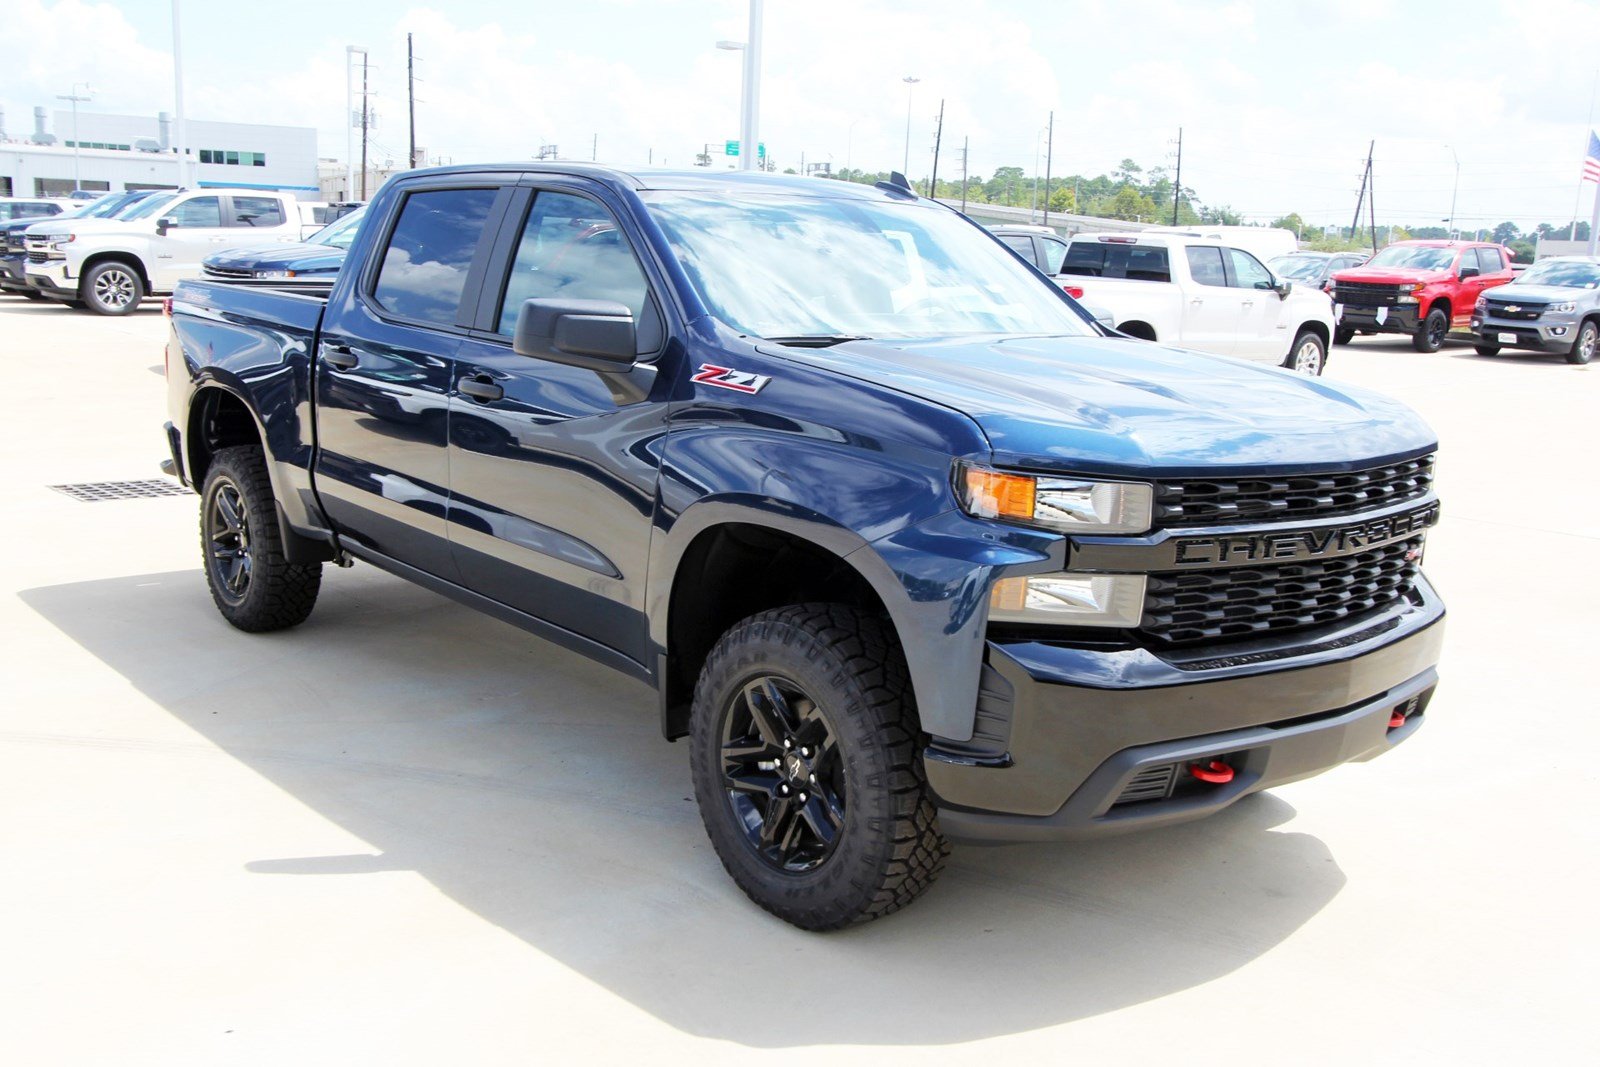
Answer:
(727, 378)
(1513, 307)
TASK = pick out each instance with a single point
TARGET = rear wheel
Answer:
(1308, 355)
(254, 586)
(804, 748)
(1430, 335)
(1583, 345)
(111, 289)
(1343, 335)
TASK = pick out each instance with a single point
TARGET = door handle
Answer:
(340, 356)
(479, 388)
(1248, 304)
(1197, 301)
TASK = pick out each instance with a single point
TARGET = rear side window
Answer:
(1140, 263)
(1084, 257)
(430, 251)
(257, 211)
(201, 211)
(1022, 246)
(1205, 264)
(1054, 253)
(571, 249)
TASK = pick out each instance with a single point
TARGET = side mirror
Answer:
(1282, 286)
(597, 335)
(163, 225)
(1469, 272)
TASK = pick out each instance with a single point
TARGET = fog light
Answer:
(1558, 331)
(1070, 600)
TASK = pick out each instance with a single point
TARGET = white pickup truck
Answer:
(109, 265)
(1196, 292)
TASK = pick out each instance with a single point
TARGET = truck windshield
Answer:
(811, 267)
(339, 233)
(1299, 268)
(1566, 273)
(151, 206)
(1413, 256)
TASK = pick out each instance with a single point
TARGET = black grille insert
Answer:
(1189, 607)
(1224, 501)
(1152, 783)
(1366, 294)
(1503, 309)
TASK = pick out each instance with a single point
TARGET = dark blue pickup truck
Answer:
(911, 549)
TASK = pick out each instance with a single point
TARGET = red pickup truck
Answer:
(1423, 288)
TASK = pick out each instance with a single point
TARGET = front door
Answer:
(553, 468)
(384, 374)
(1263, 329)
(195, 229)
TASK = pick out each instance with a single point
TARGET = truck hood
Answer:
(1110, 405)
(300, 258)
(86, 226)
(1391, 275)
(1542, 294)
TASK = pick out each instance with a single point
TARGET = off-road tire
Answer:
(1431, 331)
(1343, 335)
(1308, 355)
(111, 288)
(1583, 346)
(846, 662)
(275, 594)
(1486, 349)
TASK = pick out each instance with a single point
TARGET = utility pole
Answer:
(411, 103)
(1177, 182)
(964, 141)
(1372, 205)
(350, 51)
(177, 86)
(1361, 197)
(910, 83)
(77, 178)
(594, 148)
(364, 120)
(938, 134)
(1049, 147)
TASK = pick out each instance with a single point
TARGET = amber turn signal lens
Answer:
(994, 495)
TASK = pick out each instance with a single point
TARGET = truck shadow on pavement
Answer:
(531, 787)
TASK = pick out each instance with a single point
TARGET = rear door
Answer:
(553, 468)
(196, 227)
(1210, 307)
(384, 369)
(263, 218)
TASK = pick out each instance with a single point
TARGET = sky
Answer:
(1277, 101)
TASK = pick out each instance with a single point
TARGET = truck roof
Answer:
(688, 178)
(1435, 242)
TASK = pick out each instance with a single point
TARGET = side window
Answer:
(1054, 252)
(201, 211)
(1022, 246)
(1142, 263)
(1205, 264)
(1490, 260)
(1248, 273)
(1084, 257)
(257, 211)
(425, 266)
(571, 248)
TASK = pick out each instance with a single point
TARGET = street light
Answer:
(77, 180)
(1453, 188)
(750, 97)
(910, 86)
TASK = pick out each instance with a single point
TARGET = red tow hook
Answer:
(1397, 719)
(1216, 772)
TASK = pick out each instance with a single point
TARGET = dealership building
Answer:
(111, 153)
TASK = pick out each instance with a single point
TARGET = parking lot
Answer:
(407, 832)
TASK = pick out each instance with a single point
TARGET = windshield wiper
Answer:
(817, 340)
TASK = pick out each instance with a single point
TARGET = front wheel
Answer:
(1487, 348)
(804, 749)
(252, 583)
(1583, 345)
(111, 289)
(1343, 335)
(1430, 335)
(1308, 355)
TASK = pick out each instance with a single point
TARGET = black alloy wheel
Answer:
(227, 528)
(1431, 334)
(253, 583)
(782, 773)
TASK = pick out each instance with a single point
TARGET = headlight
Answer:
(1070, 600)
(1413, 287)
(1070, 505)
(1562, 308)
(60, 240)
(1480, 304)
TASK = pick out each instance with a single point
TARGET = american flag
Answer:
(1591, 162)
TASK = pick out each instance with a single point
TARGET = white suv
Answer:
(109, 265)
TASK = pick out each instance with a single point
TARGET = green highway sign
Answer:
(731, 148)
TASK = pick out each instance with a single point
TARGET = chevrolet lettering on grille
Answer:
(1304, 544)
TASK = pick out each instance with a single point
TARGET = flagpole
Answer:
(1594, 219)
(1577, 201)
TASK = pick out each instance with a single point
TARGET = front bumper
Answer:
(13, 271)
(1102, 741)
(53, 278)
(1395, 318)
(1541, 335)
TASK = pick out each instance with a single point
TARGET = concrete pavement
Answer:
(406, 833)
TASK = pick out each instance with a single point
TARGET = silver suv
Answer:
(1553, 306)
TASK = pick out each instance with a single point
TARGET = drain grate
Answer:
(92, 492)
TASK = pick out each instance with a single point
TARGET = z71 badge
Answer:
(727, 378)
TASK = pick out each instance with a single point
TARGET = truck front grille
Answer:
(1514, 310)
(1189, 607)
(37, 257)
(1225, 501)
(1366, 294)
(225, 273)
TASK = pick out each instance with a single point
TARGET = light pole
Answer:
(177, 94)
(350, 52)
(1453, 189)
(750, 96)
(849, 143)
(77, 180)
(910, 88)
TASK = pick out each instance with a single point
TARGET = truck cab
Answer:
(1421, 288)
(110, 265)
